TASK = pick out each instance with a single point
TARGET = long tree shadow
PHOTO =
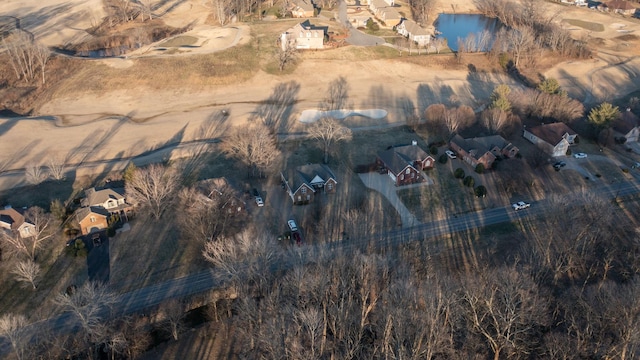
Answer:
(275, 111)
(34, 21)
(93, 143)
(429, 95)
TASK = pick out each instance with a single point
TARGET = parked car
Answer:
(95, 238)
(520, 205)
(579, 155)
(257, 197)
(559, 164)
(450, 154)
(292, 225)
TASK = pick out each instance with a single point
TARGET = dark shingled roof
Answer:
(12, 217)
(306, 174)
(394, 161)
(551, 133)
(625, 122)
(85, 211)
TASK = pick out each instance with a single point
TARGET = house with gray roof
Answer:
(482, 150)
(553, 138)
(403, 163)
(414, 32)
(92, 219)
(111, 199)
(625, 127)
(303, 183)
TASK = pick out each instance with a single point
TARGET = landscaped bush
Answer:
(433, 150)
(480, 168)
(443, 159)
(469, 181)
(459, 173)
(480, 191)
(568, 152)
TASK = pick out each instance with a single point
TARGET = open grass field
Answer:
(588, 25)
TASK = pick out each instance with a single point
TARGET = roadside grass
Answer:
(588, 25)
(151, 252)
(605, 170)
(57, 271)
(182, 40)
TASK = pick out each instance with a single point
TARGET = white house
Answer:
(414, 32)
(304, 36)
(554, 138)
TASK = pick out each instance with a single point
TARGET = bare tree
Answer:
(222, 10)
(494, 120)
(153, 188)
(27, 271)
(172, 312)
(44, 229)
(89, 304)
(329, 132)
(254, 145)
(26, 56)
(420, 9)
(337, 95)
(13, 328)
(521, 41)
(438, 44)
(503, 306)
(35, 174)
(286, 53)
(458, 118)
(56, 168)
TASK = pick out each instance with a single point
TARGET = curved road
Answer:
(356, 37)
(147, 297)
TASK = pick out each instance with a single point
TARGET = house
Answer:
(385, 12)
(625, 127)
(111, 199)
(482, 150)
(14, 222)
(220, 191)
(414, 32)
(359, 20)
(304, 36)
(302, 9)
(403, 163)
(554, 138)
(304, 182)
(623, 7)
(92, 219)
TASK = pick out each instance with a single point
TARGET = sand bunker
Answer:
(310, 116)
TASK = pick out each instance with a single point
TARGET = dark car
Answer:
(559, 164)
(95, 238)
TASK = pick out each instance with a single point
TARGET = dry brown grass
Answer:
(152, 252)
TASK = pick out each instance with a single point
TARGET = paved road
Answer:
(356, 37)
(147, 297)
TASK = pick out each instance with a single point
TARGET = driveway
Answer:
(356, 37)
(98, 264)
(382, 184)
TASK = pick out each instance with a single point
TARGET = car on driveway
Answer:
(257, 197)
(580, 155)
(292, 225)
(95, 238)
(450, 154)
(520, 205)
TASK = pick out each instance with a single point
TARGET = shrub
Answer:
(433, 150)
(480, 168)
(469, 181)
(458, 173)
(443, 159)
(480, 191)
(568, 152)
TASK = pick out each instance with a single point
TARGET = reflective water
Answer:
(455, 26)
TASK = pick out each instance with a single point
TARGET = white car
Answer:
(579, 155)
(450, 154)
(259, 201)
(292, 225)
(520, 205)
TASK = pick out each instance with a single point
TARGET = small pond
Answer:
(454, 26)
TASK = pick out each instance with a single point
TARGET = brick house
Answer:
(482, 150)
(403, 163)
(303, 183)
(219, 190)
(92, 219)
(302, 9)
